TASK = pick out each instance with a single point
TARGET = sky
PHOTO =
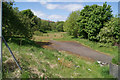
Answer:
(58, 10)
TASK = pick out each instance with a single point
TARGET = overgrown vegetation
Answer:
(37, 62)
(93, 26)
(24, 23)
(95, 23)
(16, 23)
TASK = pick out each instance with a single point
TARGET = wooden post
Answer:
(0, 39)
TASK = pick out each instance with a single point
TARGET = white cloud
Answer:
(68, 7)
(54, 17)
(43, 2)
(39, 14)
(57, 17)
(72, 7)
(52, 6)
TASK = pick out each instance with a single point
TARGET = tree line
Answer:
(95, 23)
(24, 23)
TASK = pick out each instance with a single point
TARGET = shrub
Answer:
(38, 33)
(110, 33)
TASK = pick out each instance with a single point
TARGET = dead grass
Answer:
(65, 63)
(48, 36)
(10, 65)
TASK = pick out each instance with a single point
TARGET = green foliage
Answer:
(92, 19)
(110, 33)
(45, 25)
(59, 26)
(28, 13)
(70, 25)
(105, 71)
(34, 21)
(24, 23)
(38, 33)
(37, 23)
(13, 24)
(16, 23)
(53, 26)
(95, 23)
(115, 60)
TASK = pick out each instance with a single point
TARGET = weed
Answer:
(46, 64)
(25, 74)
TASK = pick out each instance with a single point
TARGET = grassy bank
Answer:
(38, 62)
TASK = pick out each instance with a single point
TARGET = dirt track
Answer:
(81, 50)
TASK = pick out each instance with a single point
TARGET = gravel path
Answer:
(77, 48)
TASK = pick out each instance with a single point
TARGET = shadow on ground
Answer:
(27, 42)
(43, 43)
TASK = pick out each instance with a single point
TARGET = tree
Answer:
(59, 26)
(45, 25)
(70, 24)
(18, 24)
(28, 13)
(35, 22)
(53, 26)
(92, 19)
(12, 21)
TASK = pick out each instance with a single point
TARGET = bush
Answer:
(92, 19)
(88, 22)
(70, 24)
(110, 33)
(38, 33)
(19, 23)
(59, 26)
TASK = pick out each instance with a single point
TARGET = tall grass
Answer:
(38, 62)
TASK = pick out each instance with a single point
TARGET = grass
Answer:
(38, 62)
(49, 36)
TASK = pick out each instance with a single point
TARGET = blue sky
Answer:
(59, 11)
